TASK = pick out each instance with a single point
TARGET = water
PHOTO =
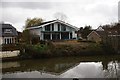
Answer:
(66, 67)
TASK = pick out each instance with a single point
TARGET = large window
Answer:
(47, 28)
(52, 27)
(63, 28)
(8, 40)
(55, 36)
(46, 36)
(58, 27)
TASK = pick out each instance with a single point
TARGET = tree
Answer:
(60, 16)
(85, 31)
(33, 22)
(81, 29)
(27, 37)
(112, 38)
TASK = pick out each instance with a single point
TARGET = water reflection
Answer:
(10, 64)
(85, 70)
(72, 67)
(113, 70)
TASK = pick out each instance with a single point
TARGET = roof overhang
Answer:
(94, 32)
(54, 21)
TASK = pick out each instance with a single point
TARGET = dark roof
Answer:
(44, 23)
(8, 26)
(53, 21)
(101, 33)
(47, 22)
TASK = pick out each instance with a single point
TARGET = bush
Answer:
(50, 50)
(33, 51)
(63, 50)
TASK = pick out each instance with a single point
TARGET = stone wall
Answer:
(4, 54)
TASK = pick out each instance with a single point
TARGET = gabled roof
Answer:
(53, 21)
(99, 33)
(8, 26)
(99, 29)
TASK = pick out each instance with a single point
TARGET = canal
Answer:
(64, 67)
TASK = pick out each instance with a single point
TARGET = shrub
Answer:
(34, 51)
(49, 50)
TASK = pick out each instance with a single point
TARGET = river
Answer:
(64, 67)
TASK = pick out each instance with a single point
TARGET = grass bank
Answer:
(60, 49)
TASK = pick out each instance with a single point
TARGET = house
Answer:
(8, 34)
(96, 35)
(54, 30)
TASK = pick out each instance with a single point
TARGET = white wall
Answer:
(68, 28)
(74, 35)
(36, 31)
(55, 27)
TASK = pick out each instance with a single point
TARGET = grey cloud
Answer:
(79, 12)
(106, 10)
(28, 5)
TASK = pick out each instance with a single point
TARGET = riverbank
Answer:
(9, 59)
(58, 49)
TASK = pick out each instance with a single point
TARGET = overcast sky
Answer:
(79, 12)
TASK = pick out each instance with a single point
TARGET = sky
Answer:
(78, 13)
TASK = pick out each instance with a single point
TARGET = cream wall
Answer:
(1, 40)
(94, 37)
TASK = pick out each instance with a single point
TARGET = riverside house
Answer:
(8, 34)
(54, 30)
(96, 36)
(108, 34)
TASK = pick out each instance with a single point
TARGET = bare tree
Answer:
(60, 16)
